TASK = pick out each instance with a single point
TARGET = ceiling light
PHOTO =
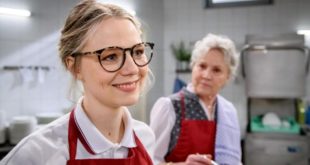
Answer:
(304, 32)
(15, 12)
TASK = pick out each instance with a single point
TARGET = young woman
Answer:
(102, 47)
(196, 124)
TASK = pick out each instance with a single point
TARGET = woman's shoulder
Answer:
(227, 112)
(142, 129)
(174, 96)
(145, 135)
(44, 142)
(225, 103)
(56, 129)
(162, 109)
(163, 101)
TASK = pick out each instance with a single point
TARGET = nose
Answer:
(129, 66)
(207, 73)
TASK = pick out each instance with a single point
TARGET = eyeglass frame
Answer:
(130, 49)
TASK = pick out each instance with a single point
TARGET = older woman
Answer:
(196, 124)
(102, 47)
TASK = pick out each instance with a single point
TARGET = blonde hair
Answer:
(223, 43)
(82, 21)
(80, 25)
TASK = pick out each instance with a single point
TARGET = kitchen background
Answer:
(32, 42)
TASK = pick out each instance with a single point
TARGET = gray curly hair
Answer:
(226, 45)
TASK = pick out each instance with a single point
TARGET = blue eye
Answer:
(111, 57)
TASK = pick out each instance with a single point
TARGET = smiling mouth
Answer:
(127, 87)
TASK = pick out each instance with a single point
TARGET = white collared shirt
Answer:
(49, 145)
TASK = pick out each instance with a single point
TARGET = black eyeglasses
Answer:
(113, 58)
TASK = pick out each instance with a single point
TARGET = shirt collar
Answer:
(96, 141)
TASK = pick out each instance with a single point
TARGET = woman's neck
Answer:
(108, 120)
(210, 102)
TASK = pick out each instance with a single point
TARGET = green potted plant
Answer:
(182, 55)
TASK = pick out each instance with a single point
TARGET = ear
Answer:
(71, 66)
(70, 63)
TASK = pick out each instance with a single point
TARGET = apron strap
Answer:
(74, 134)
(182, 105)
(72, 137)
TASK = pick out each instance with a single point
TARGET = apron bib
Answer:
(136, 155)
(196, 136)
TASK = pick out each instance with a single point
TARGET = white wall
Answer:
(152, 15)
(33, 42)
(190, 21)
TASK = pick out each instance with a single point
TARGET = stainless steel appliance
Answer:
(276, 149)
(275, 67)
(275, 70)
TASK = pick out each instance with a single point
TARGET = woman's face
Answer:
(112, 89)
(210, 73)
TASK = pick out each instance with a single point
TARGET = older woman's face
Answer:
(210, 73)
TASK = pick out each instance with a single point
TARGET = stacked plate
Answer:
(2, 128)
(20, 127)
(47, 117)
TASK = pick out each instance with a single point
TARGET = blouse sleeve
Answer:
(162, 120)
(26, 152)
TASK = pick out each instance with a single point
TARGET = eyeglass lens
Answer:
(112, 59)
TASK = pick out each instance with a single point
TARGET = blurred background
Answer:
(33, 84)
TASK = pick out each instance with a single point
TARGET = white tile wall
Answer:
(29, 42)
(152, 14)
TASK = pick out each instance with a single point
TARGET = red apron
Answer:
(196, 136)
(136, 155)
